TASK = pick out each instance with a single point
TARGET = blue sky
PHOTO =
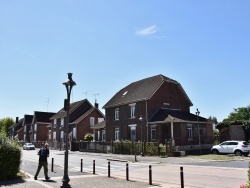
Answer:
(204, 45)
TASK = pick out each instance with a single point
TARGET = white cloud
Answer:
(147, 31)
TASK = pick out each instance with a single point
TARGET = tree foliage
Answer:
(213, 119)
(5, 123)
(88, 137)
(10, 157)
(239, 114)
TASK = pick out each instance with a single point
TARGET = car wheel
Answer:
(23, 148)
(238, 153)
(215, 151)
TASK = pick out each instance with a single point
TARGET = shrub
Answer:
(10, 157)
(88, 137)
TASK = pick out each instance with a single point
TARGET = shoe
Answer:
(47, 178)
(35, 178)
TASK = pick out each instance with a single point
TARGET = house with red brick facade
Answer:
(15, 128)
(82, 116)
(27, 121)
(155, 109)
(39, 127)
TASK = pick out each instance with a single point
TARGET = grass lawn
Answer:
(218, 157)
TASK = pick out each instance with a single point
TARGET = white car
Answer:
(232, 147)
(28, 146)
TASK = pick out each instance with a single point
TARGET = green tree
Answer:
(239, 114)
(5, 123)
(212, 118)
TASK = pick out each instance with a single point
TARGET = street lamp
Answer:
(69, 83)
(199, 135)
(142, 149)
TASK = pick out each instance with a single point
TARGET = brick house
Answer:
(82, 115)
(39, 126)
(13, 129)
(155, 109)
(27, 121)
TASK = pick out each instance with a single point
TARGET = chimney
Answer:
(17, 118)
(96, 105)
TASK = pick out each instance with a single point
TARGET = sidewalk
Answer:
(84, 179)
(93, 181)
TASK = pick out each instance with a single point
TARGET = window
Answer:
(54, 135)
(25, 129)
(35, 137)
(132, 110)
(116, 133)
(92, 121)
(35, 128)
(103, 135)
(117, 114)
(62, 121)
(54, 124)
(24, 137)
(189, 132)
(153, 133)
(133, 133)
(62, 133)
(98, 135)
(74, 132)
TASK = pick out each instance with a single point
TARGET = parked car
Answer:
(232, 147)
(28, 146)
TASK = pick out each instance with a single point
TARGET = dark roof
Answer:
(79, 119)
(43, 117)
(17, 125)
(28, 119)
(163, 113)
(140, 90)
(73, 106)
(99, 125)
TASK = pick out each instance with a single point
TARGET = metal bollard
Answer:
(52, 164)
(135, 158)
(150, 175)
(127, 172)
(81, 165)
(93, 166)
(108, 169)
(182, 178)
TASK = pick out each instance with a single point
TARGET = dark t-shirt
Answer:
(43, 154)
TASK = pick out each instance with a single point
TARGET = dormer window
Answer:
(124, 93)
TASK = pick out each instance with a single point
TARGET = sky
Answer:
(204, 45)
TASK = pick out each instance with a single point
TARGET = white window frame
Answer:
(153, 133)
(24, 137)
(35, 127)
(103, 135)
(92, 121)
(54, 124)
(61, 135)
(54, 135)
(117, 134)
(132, 110)
(74, 132)
(62, 121)
(35, 137)
(117, 114)
(190, 132)
(25, 128)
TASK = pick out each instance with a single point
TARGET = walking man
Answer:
(43, 155)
